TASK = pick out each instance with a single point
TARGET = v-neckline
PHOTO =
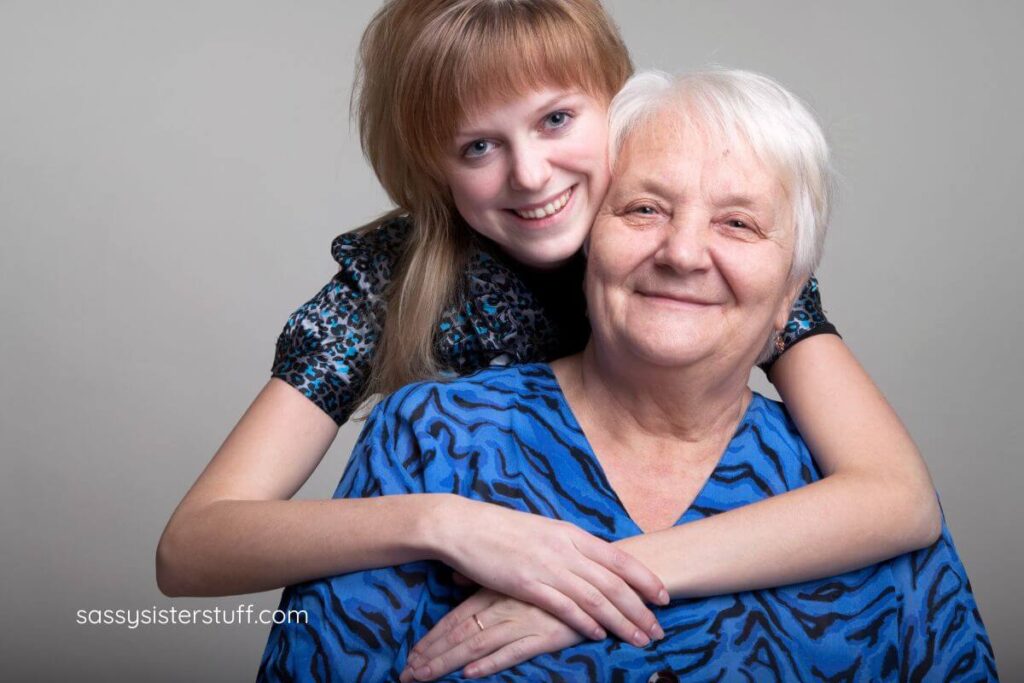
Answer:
(603, 477)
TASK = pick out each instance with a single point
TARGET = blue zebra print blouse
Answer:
(507, 436)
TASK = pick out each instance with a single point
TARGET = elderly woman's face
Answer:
(690, 252)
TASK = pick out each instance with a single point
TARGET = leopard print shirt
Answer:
(505, 313)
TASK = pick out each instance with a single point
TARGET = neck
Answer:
(695, 404)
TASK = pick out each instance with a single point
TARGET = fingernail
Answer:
(663, 598)
(599, 634)
(640, 639)
(414, 660)
(657, 633)
(422, 672)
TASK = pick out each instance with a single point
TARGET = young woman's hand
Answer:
(489, 632)
(587, 583)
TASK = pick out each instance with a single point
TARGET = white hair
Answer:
(777, 126)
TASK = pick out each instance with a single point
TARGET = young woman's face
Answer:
(530, 173)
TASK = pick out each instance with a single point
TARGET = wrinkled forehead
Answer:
(679, 153)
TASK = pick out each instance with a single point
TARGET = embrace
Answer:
(593, 263)
(714, 218)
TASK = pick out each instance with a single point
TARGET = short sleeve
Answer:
(325, 348)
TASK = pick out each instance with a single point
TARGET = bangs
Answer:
(488, 51)
(508, 54)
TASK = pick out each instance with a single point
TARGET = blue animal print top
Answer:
(507, 436)
(504, 311)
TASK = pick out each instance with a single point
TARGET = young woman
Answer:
(485, 122)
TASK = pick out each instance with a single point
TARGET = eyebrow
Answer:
(652, 184)
(657, 186)
(745, 201)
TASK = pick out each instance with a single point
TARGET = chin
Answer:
(666, 352)
(550, 254)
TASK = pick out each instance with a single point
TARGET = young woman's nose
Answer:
(530, 170)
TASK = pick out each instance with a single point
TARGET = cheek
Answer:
(615, 253)
(475, 191)
(587, 152)
(600, 179)
(755, 273)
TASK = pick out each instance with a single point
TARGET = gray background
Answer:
(171, 176)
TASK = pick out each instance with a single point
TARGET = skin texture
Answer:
(522, 155)
(716, 214)
(231, 535)
(517, 155)
(236, 531)
(699, 242)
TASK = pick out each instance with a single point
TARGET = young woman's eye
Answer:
(557, 119)
(477, 149)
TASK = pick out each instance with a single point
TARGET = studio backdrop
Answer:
(172, 175)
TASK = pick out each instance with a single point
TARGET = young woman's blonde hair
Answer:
(424, 65)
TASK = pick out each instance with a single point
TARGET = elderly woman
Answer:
(714, 219)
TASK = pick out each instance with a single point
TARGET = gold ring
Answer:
(477, 620)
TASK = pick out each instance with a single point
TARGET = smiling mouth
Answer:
(679, 299)
(547, 210)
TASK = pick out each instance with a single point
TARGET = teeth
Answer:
(549, 209)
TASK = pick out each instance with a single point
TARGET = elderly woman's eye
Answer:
(644, 210)
(477, 149)
(739, 223)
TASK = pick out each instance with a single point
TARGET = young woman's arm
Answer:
(875, 500)
(236, 531)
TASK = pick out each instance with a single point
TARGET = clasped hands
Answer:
(547, 585)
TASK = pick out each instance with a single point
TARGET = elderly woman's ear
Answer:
(786, 306)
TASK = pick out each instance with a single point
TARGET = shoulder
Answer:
(378, 244)
(771, 437)
(484, 395)
(366, 257)
(469, 435)
(766, 413)
(325, 347)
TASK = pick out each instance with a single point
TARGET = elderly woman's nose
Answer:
(530, 168)
(684, 246)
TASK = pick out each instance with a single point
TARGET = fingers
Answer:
(477, 645)
(620, 600)
(453, 638)
(511, 654)
(451, 629)
(590, 595)
(631, 570)
(569, 609)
